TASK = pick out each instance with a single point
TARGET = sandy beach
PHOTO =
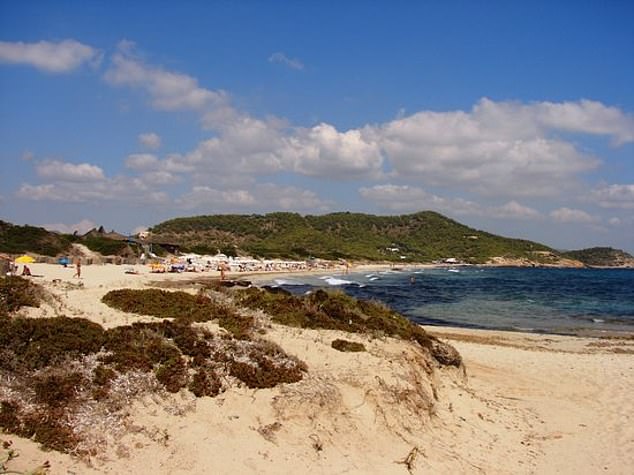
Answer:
(522, 403)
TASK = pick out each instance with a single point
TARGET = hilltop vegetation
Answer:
(601, 257)
(420, 237)
(16, 239)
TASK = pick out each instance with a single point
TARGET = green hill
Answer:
(419, 237)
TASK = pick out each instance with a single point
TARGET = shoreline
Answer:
(110, 274)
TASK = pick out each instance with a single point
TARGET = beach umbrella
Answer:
(64, 261)
(24, 259)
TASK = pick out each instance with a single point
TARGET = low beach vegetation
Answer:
(16, 292)
(347, 346)
(338, 311)
(60, 372)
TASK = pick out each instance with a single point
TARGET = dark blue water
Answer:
(527, 299)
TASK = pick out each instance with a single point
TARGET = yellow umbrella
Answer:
(24, 259)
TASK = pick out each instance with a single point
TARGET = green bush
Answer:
(338, 311)
(347, 346)
(41, 342)
(16, 292)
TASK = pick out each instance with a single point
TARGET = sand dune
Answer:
(522, 404)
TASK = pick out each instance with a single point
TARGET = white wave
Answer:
(453, 270)
(598, 320)
(288, 282)
(335, 281)
(374, 278)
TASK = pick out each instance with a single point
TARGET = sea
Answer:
(541, 300)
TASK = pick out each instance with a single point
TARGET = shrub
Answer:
(137, 346)
(338, 311)
(16, 292)
(173, 374)
(267, 366)
(181, 306)
(57, 388)
(205, 382)
(345, 345)
(40, 342)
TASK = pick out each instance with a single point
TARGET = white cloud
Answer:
(273, 197)
(614, 221)
(118, 189)
(324, 151)
(60, 57)
(281, 58)
(150, 140)
(404, 198)
(263, 197)
(64, 171)
(168, 90)
(141, 161)
(160, 177)
(81, 227)
(568, 215)
(615, 196)
(505, 149)
(496, 149)
(514, 210)
(589, 117)
(212, 198)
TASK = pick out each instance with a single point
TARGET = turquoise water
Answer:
(528, 299)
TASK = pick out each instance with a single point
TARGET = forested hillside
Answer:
(420, 237)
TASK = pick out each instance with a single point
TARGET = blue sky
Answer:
(516, 118)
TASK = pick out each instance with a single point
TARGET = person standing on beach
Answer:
(223, 268)
(77, 268)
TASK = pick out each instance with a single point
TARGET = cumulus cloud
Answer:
(281, 58)
(250, 147)
(118, 189)
(509, 150)
(614, 196)
(262, 197)
(65, 171)
(496, 148)
(150, 140)
(205, 196)
(589, 117)
(60, 57)
(81, 227)
(514, 210)
(404, 198)
(168, 90)
(141, 161)
(568, 215)
(324, 151)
